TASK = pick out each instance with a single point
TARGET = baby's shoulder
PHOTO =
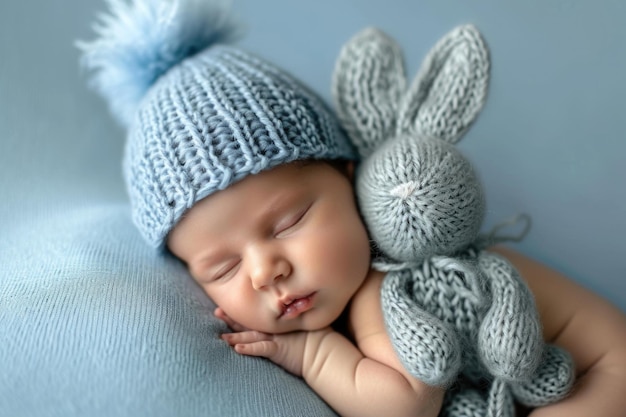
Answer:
(365, 317)
(367, 327)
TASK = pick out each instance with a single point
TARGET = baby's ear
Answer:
(450, 88)
(368, 82)
(350, 170)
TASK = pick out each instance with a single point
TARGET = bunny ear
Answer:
(368, 82)
(450, 89)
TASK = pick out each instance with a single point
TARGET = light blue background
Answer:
(550, 141)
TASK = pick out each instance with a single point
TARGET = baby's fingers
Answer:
(250, 336)
(252, 343)
(264, 348)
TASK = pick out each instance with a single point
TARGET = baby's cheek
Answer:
(346, 249)
(229, 301)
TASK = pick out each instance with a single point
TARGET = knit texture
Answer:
(421, 205)
(373, 103)
(209, 118)
(466, 403)
(450, 307)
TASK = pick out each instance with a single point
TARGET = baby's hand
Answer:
(286, 350)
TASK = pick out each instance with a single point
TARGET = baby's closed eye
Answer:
(227, 269)
(290, 223)
(217, 271)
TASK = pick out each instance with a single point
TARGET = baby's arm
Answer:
(363, 381)
(591, 329)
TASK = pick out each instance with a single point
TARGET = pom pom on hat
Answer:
(201, 115)
(141, 40)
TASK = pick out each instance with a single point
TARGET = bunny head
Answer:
(418, 195)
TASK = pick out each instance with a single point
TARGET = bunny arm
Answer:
(510, 340)
(427, 347)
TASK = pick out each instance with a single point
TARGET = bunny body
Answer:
(450, 306)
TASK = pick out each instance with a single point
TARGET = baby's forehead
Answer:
(261, 195)
(262, 192)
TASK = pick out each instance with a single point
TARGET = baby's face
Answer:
(279, 251)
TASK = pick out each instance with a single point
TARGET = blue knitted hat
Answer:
(200, 115)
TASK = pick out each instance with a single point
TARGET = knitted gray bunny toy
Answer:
(450, 306)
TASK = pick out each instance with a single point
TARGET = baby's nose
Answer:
(267, 267)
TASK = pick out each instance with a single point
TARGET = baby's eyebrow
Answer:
(281, 202)
(206, 259)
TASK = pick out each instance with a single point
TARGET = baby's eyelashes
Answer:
(226, 270)
(216, 271)
(289, 223)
